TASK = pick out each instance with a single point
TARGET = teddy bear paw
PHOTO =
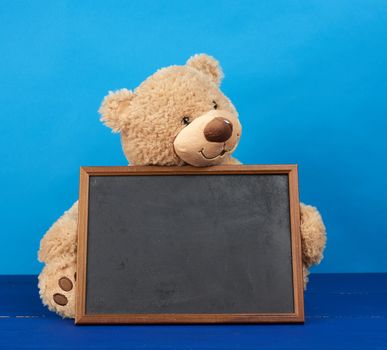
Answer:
(66, 285)
(57, 287)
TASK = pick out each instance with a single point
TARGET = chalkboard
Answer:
(189, 245)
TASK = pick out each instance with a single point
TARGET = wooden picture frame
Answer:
(297, 316)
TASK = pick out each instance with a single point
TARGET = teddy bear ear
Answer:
(207, 65)
(112, 107)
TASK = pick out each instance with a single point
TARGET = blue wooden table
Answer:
(343, 311)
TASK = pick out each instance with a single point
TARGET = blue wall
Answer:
(309, 79)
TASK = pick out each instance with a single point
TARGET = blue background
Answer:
(309, 79)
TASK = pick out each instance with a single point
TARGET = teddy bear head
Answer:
(177, 116)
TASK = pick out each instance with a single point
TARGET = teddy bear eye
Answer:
(185, 120)
(215, 105)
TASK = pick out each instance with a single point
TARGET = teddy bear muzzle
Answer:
(209, 139)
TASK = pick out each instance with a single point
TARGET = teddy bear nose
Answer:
(218, 130)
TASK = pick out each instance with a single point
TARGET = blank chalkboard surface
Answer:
(182, 244)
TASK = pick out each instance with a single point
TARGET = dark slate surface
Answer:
(189, 244)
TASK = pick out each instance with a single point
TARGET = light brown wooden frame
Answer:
(295, 317)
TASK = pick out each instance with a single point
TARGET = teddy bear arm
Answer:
(231, 161)
(313, 235)
(60, 239)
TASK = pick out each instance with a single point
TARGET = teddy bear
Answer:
(178, 116)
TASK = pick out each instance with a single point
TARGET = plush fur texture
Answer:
(177, 116)
(151, 117)
(58, 252)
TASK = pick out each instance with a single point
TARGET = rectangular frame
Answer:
(297, 273)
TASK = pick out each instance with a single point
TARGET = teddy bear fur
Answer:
(165, 121)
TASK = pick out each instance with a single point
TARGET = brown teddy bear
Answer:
(177, 116)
